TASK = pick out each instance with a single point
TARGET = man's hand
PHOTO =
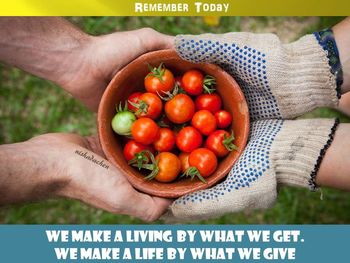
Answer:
(54, 49)
(67, 165)
(104, 56)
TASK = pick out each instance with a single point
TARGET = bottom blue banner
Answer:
(189, 243)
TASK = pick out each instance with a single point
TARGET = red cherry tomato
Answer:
(145, 131)
(184, 161)
(192, 82)
(169, 167)
(204, 160)
(204, 121)
(133, 98)
(211, 102)
(149, 105)
(223, 119)
(188, 139)
(220, 142)
(132, 147)
(165, 141)
(159, 80)
(179, 109)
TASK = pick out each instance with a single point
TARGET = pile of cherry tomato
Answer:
(181, 120)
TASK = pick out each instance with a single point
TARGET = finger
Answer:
(222, 199)
(93, 144)
(59, 137)
(146, 207)
(200, 48)
(193, 207)
(226, 48)
(141, 41)
(152, 40)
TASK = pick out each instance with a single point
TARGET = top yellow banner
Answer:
(175, 8)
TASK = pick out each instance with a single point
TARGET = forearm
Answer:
(48, 47)
(342, 37)
(26, 175)
(335, 167)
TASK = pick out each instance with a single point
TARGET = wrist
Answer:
(341, 36)
(299, 148)
(307, 82)
(82, 73)
(327, 41)
(73, 62)
(28, 172)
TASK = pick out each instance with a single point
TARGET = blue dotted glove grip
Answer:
(247, 65)
(253, 164)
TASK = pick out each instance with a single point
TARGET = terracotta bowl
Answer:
(130, 79)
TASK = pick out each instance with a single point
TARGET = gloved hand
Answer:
(280, 152)
(278, 80)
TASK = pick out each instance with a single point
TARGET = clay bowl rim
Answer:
(144, 187)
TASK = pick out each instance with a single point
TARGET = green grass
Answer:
(30, 106)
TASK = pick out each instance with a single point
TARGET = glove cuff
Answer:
(299, 148)
(327, 41)
(304, 79)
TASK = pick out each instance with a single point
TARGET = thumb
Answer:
(200, 48)
(134, 43)
(147, 207)
(150, 40)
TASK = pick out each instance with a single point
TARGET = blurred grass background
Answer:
(31, 106)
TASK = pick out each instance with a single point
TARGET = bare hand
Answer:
(69, 165)
(103, 56)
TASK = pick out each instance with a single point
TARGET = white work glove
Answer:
(280, 81)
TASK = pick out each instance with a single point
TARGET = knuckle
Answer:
(116, 206)
(147, 30)
(150, 216)
(119, 200)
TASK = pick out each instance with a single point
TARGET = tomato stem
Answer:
(154, 172)
(181, 90)
(157, 72)
(208, 84)
(119, 108)
(140, 159)
(141, 106)
(142, 163)
(169, 95)
(193, 172)
(228, 142)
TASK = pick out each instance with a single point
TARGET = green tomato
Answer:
(122, 121)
